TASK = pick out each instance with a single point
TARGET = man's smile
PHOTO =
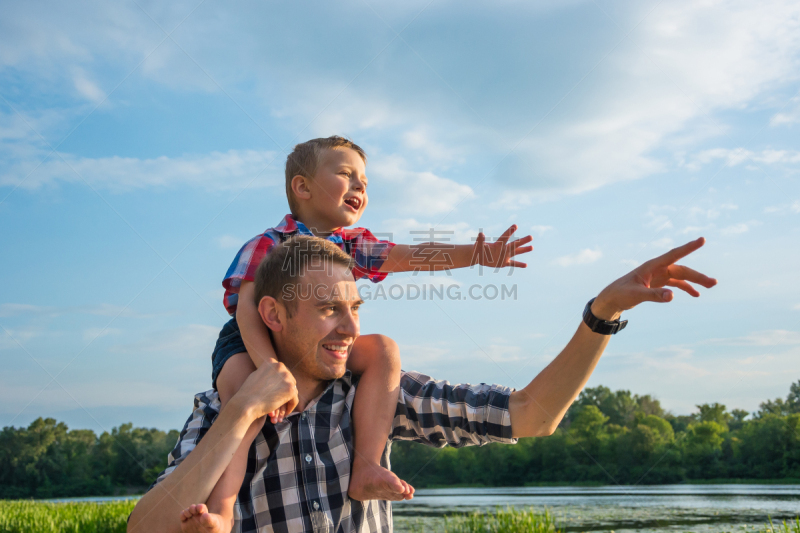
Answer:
(337, 350)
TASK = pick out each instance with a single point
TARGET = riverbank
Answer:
(726, 481)
(111, 517)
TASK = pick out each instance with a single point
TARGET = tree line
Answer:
(48, 460)
(606, 437)
(615, 437)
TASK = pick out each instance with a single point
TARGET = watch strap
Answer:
(603, 327)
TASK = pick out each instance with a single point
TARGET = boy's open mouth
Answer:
(353, 202)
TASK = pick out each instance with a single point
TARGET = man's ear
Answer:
(272, 313)
(300, 187)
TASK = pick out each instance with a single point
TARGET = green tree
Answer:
(737, 419)
(703, 450)
(714, 412)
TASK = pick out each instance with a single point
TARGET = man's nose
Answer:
(349, 325)
(357, 184)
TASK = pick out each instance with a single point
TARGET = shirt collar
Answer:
(346, 381)
(291, 226)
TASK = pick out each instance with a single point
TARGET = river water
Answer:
(656, 508)
(621, 509)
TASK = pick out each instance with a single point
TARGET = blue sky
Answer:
(142, 144)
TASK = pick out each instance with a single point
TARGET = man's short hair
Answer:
(305, 158)
(281, 270)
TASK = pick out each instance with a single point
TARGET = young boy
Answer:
(326, 187)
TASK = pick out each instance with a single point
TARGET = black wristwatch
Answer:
(603, 327)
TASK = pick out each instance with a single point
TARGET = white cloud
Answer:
(422, 353)
(114, 392)
(424, 142)
(689, 60)
(664, 242)
(674, 361)
(413, 231)
(584, 257)
(417, 192)
(16, 338)
(501, 353)
(91, 334)
(87, 88)
(736, 229)
(737, 156)
(541, 230)
(14, 309)
(7, 310)
(791, 116)
(660, 217)
(695, 229)
(683, 62)
(777, 337)
(185, 341)
(742, 227)
(229, 242)
(234, 169)
(794, 207)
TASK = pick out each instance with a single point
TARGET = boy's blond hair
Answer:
(305, 158)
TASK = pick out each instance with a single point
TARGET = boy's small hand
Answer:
(500, 253)
(278, 414)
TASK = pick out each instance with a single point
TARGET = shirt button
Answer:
(316, 506)
(308, 458)
(303, 416)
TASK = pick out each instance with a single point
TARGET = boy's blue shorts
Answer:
(229, 342)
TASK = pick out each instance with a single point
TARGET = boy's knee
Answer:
(386, 346)
(384, 343)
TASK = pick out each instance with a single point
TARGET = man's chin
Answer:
(333, 371)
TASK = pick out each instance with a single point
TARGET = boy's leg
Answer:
(377, 359)
(223, 497)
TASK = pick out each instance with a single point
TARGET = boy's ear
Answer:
(300, 187)
(272, 313)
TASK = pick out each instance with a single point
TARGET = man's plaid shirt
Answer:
(298, 471)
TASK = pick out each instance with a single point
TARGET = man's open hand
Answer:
(500, 253)
(645, 283)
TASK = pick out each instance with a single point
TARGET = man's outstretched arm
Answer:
(537, 409)
(266, 389)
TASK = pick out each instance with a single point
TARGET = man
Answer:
(298, 470)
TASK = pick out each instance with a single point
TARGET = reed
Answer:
(22, 516)
(509, 520)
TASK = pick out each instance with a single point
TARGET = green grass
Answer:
(26, 516)
(23, 516)
(508, 520)
(792, 526)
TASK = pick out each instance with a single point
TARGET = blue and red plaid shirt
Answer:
(368, 253)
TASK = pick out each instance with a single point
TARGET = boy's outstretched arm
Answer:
(429, 256)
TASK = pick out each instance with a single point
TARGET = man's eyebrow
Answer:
(331, 301)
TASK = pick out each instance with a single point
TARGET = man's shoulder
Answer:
(207, 403)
